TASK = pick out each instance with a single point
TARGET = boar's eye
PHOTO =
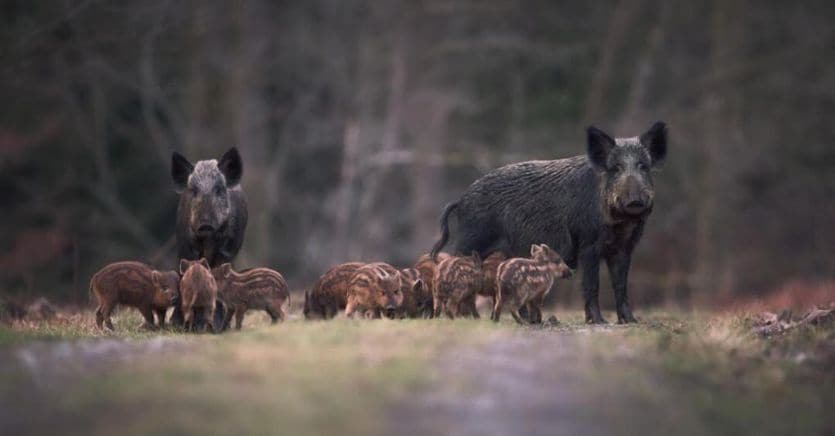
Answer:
(193, 189)
(218, 190)
(642, 166)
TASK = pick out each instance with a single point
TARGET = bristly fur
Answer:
(589, 208)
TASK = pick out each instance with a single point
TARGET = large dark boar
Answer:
(212, 212)
(588, 208)
(329, 294)
(374, 290)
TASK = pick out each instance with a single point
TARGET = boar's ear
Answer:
(205, 263)
(231, 166)
(156, 279)
(417, 285)
(476, 258)
(183, 266)
(181, 168)
(534, 250)
(598, 146)
(655, 140)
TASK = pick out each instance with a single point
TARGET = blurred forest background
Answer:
(358, 120)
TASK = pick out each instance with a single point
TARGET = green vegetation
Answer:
(692, 373)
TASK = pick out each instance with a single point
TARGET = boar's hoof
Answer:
(552, 321)
(596, 319)
(627, 319)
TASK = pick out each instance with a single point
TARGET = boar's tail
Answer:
(444, 230)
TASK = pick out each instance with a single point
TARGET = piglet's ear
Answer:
(655, 140)
(181, 169)
(232, 167)
(155, 278)
(476, 258)
(417, 286)
(598, 146)
(204, 262)
(184, 264)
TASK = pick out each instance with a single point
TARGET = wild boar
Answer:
(211, 214)
(456, 281)
(252, 289)
(417, 299)
(329, 294)
(136, 285)
(488, 269)
(588, 208)
(427, 266)
(198, 293)
(373, 290)
(525, 282)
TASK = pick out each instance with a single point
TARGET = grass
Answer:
(701, 372)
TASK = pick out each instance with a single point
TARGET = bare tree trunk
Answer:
(621, 23)
(722, 109)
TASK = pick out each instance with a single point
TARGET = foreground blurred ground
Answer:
(672, 374)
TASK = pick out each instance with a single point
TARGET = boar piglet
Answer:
(136, 285)
(198, 292)
(329, 294)
(427, 267)
(374, 290)
(417, 300)
(488, 270)
(256, 289)
(456, 281)
(525, 283)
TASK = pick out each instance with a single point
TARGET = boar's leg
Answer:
(239, 316)
(619, 273)
(210, 322)
(219, 312)
(534, 313)
(148, 314)
(467, 308)
(177, 315)
(515, 312)
(161, 317)
(497, 308)
(227, 319)
(275, 313)
(103, 315)
(590, 263)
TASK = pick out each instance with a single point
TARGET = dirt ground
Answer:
(684, 374)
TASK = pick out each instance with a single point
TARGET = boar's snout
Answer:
(205, 230)
(635, 207)
(567, 273)
(391, 311)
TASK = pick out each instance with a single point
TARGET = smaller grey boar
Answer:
(373, 290)
(525, 283)
(329, 294)
(198, 292)
(136, 285)
(252, 289)
(417, 299)
(456, 282)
